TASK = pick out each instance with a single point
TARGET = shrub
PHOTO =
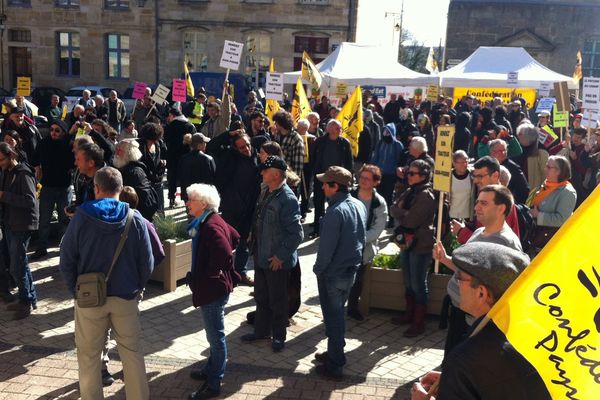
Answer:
(168, 227)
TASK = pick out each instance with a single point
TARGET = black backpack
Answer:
(526, 226)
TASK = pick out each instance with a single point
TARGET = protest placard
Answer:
(433, 91)
(561, 92)
(341, 89)
(160, 94)
(274, 86)
(23, 86)
(545, 104)
(232, 54)
(591, 94)
(442, 175)
(561, 119)
(179, 90)
(512, 79)
(544, 89)
(139, 90)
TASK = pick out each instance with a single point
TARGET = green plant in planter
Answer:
(387, 261)
(450, 243)
(167, 227)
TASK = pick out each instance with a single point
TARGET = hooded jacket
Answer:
(388, 154)
(91, 240)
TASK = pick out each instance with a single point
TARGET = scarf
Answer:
(193, 230)
(546, 190)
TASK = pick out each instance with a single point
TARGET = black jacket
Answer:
(19, 205)
(487, 366)
(174, 133)
(196, 167)
(318, 162)
(30, 137)
(56, 159)
(152, 160)
(134, 175)
(518, 184)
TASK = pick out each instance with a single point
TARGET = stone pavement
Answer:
(38, 360)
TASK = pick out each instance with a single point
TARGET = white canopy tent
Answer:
(356, 64)
(488, 67)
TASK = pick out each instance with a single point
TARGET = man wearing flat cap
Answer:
(343, 230)
(274, 239)
(486, 365)
(196, 166)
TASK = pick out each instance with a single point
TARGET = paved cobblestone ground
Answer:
(38, 359)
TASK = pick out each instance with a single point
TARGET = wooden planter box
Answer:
(384, 288)
(177, 263)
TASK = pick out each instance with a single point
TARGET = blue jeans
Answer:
(213, 315)
(242, 253)
(333, 293)
(17, 243)
(415, 268)
(49, 197)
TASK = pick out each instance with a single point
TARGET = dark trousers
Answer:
(271, 296)
(305, 189)
(172, 174)
(319, 202)
(457, 329)
(386, 190)
(160, 192)
(356, 289)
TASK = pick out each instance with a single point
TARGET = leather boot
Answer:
(407, 317)
(417, 327)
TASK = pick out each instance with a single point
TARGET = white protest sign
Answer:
(591, 94)
(232, 54)
(160, 94)
(592, 122)
(274, 86)
(261, 93)
(544, 90)
(512, 79)
(545, 104)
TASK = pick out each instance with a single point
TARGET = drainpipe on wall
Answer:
(351, 21)
(2, 29)
(156, 28)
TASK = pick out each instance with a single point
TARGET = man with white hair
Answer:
(329, 150)
(127, 160)
(314, 119)
(86, 100)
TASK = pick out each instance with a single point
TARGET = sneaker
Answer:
(39, 253)
(326, 373)
(251, 337)
(204, 393)
(277, 345)
(198, 374)
(355, 314)
(107, 378)
(246, 280)
(321, 357)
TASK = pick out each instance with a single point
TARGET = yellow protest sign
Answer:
(433, 92)
(551, 313)
(341, 89)
(506, 94)
(442, 173)
(351, 118)
(23, 86)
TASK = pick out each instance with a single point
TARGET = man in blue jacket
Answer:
(343, 232)
(276, 235)
(88, 246)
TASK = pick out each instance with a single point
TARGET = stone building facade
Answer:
(114, 43)
(552, 31)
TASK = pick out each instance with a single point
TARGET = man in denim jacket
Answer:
(343, 232)
(275, 237)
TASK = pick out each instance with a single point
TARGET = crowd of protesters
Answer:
(249, 182)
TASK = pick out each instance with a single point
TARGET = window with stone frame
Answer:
(67, 3)
(317, 48)
(19, 35)
(591, 57)
(116, 4)
(19, 3)
(314, 2)
(118, 55)
(69, 53)
(195, 50)
(258, 55)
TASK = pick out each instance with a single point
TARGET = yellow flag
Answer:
(64, 112)
(310, 72)
(351, 118)
(272, 105)
(551, 313)
(577, 74)
(188, 80)
(300, 105)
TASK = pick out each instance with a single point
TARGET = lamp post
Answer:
(397, 26)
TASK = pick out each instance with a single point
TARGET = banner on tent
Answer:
(506, 94)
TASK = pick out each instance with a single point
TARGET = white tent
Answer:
(356, 64)
(488, 67)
